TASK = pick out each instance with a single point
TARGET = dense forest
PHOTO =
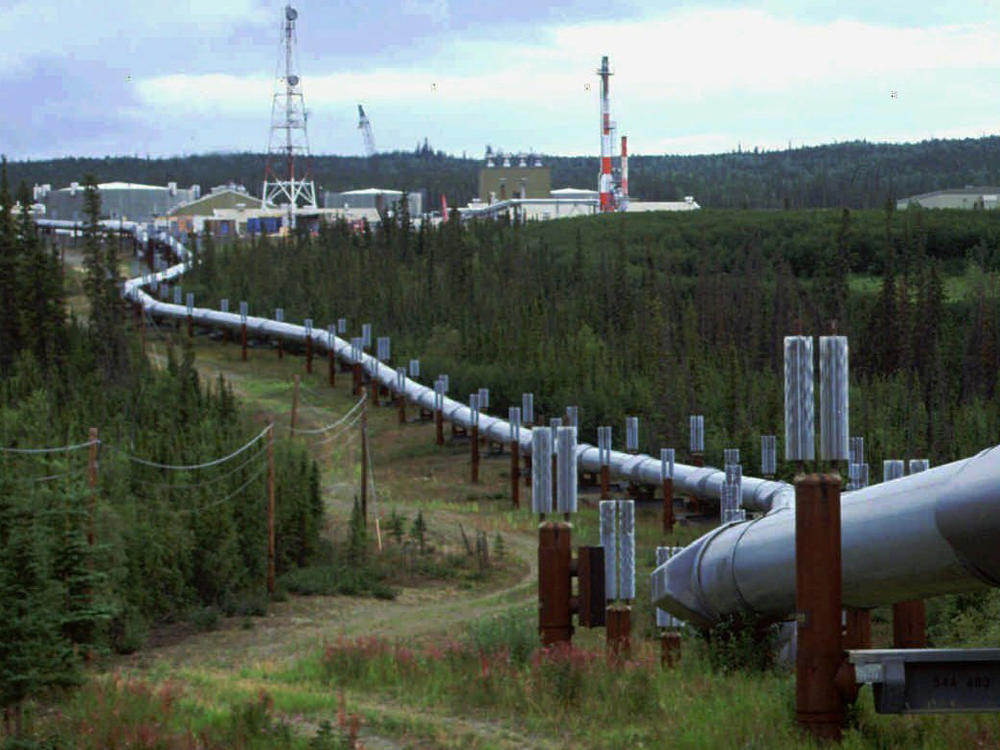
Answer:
(854, 174)
(89, 560)
(667, 315)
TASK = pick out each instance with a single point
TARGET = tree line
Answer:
(856, 174)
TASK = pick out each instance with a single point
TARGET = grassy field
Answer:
(452, 660)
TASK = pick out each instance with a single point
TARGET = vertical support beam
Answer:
(190, 326)
(92, 484)
(243, 342)
(527, 470)
(554, 583)
(270, 511)
(819, 706)
(364, 462)
(619, 632)
(475, 453)
(401, 402)
(668, 506)
(374, 391)
(670, 648)
(515, 474)
(439, 427)
(309, 355)
(281, 348)
(332, 365)
(555, 476)
(909, 624)
(858, 629)
(605, 482)
(295, 403)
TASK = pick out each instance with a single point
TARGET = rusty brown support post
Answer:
(243, 342)
(668, 506)
(819, 706)
(190, 325)
(605, 482)
(401, 402)
(619, 632)
(527, 470)
(359, 386)
(270, 511)
(858, 629)
(281, 348)
(554, 583)
(909, 624)
(295, 403)
(475, 453)
(309, 355)
(332, 362)
(374, 385)
(364, 463)
(92, 484)
(697, 460)
(670, 648)
(438, 427)
(515, 474)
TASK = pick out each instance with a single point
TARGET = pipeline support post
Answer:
(668, 506)
(309, 355)
(358, 380)
(858, 629)
(364, 464)
(819, 705)
(475, 453)
(527, 469)
(670, 648)
(332, 363)
(375, 385)
(554, 582)
(401, 403)
(281, 348)
(438, 427)
(619, 632)
(515, 474)
(243, 342)
(605, 482)
(909, 624)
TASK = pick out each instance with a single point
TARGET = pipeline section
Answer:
(758, 494)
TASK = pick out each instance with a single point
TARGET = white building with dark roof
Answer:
(969, 197)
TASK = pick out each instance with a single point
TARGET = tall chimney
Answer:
(604, 183)
(625, 167)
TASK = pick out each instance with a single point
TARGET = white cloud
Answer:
(701, 66)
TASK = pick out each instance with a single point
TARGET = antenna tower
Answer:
(365, 126)
(604, 182)
(287, 178)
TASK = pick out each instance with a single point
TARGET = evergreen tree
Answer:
(9, 330)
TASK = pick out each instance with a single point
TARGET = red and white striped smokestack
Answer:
(625, 167)
(604, 182)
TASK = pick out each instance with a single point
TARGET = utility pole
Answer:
(364, 461)
(270, 509)
(295, 402)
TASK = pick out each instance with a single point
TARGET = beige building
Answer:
(507, 182)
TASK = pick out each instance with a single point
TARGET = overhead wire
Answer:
(194, 467)
(203, 483)
(62, 449)
(332, 425)
(238, 490)
(337, 434)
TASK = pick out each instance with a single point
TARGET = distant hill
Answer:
(857, 174)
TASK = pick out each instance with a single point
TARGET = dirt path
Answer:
(295, 627)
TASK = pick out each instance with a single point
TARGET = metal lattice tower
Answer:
(365, 126)
(287, 178)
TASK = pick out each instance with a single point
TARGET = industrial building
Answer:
(527, 178)
(969, 197)
(370, 198)
(207, 211)
(119, 200)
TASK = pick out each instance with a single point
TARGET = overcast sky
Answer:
(158, 78)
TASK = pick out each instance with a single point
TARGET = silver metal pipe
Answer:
(919, 536)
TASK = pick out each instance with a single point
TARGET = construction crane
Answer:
(365, 126)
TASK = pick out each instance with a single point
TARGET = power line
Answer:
(204, 483)
(332, 425)
(238, 490)
(37, 451)
(194, 467)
